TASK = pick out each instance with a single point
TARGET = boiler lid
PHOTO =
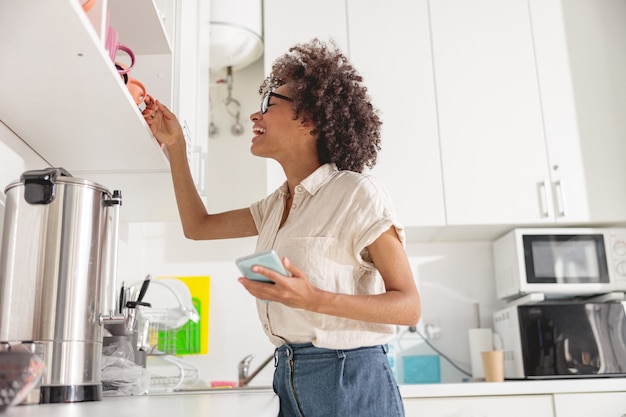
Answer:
(232, 45)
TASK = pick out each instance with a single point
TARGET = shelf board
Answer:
(61, 94)
(139, 21)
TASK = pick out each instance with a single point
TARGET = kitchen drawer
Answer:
(493, 406)
(599, 404)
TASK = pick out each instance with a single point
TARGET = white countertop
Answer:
(528, 387)
(263, 402)
(215, 404)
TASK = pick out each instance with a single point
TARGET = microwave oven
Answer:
(557, 339)
(560, 262)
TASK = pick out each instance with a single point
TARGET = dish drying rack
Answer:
(164, 332)
(170, 373)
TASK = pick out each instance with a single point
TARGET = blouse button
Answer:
(294, 206)
(299, 188)
(266, 327)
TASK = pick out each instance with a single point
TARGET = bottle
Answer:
(392, 356)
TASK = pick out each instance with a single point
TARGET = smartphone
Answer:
(268, 259)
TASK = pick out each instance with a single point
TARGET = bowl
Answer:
(20, 372)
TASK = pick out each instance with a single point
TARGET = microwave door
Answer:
(539, 350)
(578, 352)
(608, 327)
(565, 259)
(560, 342)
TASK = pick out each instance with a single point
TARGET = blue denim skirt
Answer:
(317, 382)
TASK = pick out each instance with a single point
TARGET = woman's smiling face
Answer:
(275, 131)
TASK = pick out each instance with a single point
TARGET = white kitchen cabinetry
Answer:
(494, 406)
(602, 404)
(67, 101)
(528, 94)
(62, 95)
(491, 133)
(496, 113)
(390, 46)
(287, 22)
(174, 78)
(580, 48)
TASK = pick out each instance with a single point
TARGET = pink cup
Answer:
(112, 46)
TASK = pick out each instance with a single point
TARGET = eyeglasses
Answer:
(265, 104)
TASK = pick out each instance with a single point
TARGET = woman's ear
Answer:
(307, 124)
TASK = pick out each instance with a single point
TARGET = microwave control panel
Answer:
(617, 256)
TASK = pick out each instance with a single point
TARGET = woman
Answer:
(351, 281)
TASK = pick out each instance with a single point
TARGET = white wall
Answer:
(235, 177)
(15, 158)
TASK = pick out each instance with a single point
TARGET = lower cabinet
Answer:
(602, 404)
(492, 406)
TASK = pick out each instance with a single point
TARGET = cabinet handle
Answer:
(559, 201)
(543, 199)
(200, 162)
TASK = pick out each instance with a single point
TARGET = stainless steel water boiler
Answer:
(57, 276)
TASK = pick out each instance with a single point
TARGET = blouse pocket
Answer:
(327, 266)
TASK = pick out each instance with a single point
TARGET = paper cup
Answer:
(493, 362)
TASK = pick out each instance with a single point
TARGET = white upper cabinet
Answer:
(531, 98)
(287, 22)
(492, 141)
(390, 46)
(580, 48)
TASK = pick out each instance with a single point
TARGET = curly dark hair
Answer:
(328, 91)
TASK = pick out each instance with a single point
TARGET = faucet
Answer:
(244, 367)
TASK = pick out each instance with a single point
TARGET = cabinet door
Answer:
(287, 22)
(603, 404)
(495, 166)
(510, 406)
(191, 73)
(581, 64)
(390, 46)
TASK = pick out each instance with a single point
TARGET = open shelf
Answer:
(61, 94)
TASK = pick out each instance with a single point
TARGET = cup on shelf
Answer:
(137, 90)
(123, 74)
(87, 4)
(112, 46)
(493, 362)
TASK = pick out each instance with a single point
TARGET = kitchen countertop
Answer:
(262, 402)
(234, 403)
(522, 387)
